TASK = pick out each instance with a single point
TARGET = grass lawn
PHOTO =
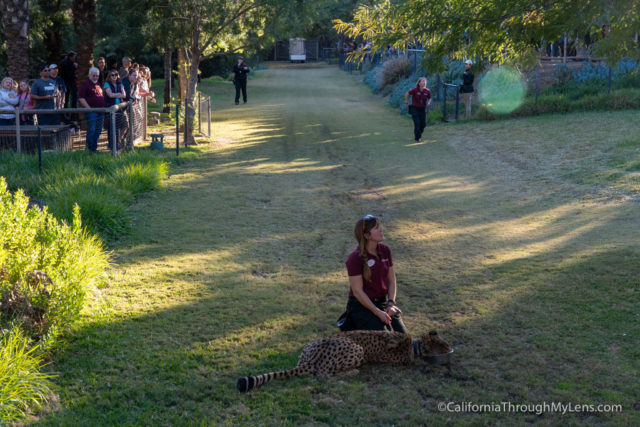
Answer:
(517, 240)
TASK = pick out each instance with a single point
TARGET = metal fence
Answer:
(204, 114)
(35, 130)
(361, 67)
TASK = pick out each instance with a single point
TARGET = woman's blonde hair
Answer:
(421, 78)
(7, 79)
(364, 226)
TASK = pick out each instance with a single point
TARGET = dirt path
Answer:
(511, 240)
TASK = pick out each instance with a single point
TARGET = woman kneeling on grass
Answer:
(372, 282)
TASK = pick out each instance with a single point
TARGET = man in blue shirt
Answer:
(43, 93)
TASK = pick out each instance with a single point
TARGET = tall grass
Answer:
(22, 384)
(103, 187)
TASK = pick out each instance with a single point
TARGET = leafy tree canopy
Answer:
(498, 31)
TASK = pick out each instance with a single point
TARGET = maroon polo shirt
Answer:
(92, 93)
(419, 97)
(378, 286)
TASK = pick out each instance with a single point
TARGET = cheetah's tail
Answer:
(245, 384)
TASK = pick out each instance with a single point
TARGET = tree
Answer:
(84, 21)
(15, 20)
(206, 28)
(495, 30)
(54, 14)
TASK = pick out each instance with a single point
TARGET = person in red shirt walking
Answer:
(420, 103)
(90, 95)
(372, 282)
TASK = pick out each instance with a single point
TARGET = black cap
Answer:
(240, 57)
(43, 66)
(71, 53)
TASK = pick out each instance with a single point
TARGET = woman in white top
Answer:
(8, 101)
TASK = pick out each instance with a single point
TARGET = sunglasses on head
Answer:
(366, 219)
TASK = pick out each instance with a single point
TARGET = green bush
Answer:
(102, 186)
(394, 70)
(556, 103)
(33, 240)
(397, 95)
(22, 385)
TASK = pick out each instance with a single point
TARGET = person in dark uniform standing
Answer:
(467, 87)
(68, 72)
(240, 80)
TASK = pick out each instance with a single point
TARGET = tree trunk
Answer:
(192, 90)
(167, 79)
(15, 19)
(192, 82)
(182, 74)
(84, 22)
(52, 9)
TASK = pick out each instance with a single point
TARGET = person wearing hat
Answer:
(466, 89)
(61, 88)
(68, 72)
(43, 92)
(240, 70)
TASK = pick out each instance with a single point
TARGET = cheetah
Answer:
(345, 352)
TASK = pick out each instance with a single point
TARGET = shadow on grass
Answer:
(563, 338)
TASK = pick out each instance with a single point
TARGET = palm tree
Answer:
(15, 19)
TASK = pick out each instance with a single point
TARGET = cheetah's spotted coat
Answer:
(345, 352)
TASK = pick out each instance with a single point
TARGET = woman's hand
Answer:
(384, 317)
(391, 310)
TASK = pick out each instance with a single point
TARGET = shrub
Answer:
(393, 70)
(453, 72)
(102, 186)
(397, 96)
(556, 103)
(32, 239)
(372, 79)
(22, 385)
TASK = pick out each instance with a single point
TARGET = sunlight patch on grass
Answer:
(294, 166)
(447, 184)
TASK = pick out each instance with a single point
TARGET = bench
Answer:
(57, 137)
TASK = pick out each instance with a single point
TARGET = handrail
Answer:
(65, 110)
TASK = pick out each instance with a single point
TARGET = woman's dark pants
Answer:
(419, 116)
(363, 319)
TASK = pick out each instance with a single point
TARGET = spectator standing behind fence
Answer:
(90, 95)
(143, 85)
(420, 103)
(467, 87)
(8, 101)
(124, 70)
(61, 88)
(130, 85)
(240, 70)
(26, 103)
(43, 93)
(68, 72)
(104, 73)
(114, 94)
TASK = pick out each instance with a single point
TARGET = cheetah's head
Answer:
(431, 343)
